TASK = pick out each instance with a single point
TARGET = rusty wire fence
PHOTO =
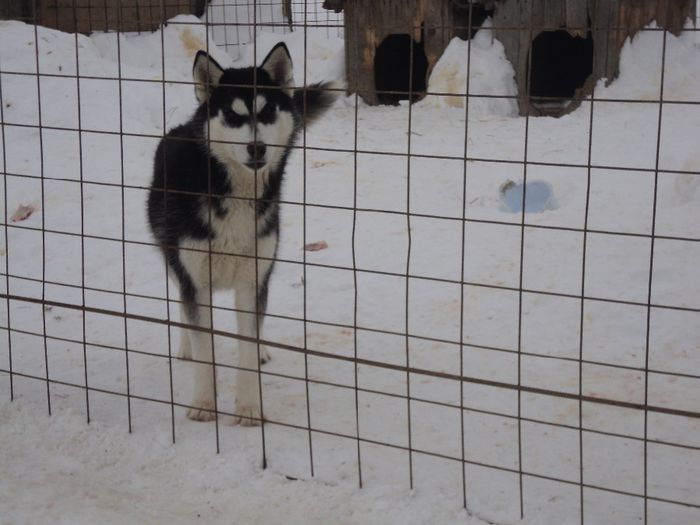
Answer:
(554, 426)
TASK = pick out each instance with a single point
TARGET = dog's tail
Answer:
(312, 101)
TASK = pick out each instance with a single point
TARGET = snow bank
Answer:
(490, 73)
(235, 23)
(143, 64)
(640, 68)
(315, 55)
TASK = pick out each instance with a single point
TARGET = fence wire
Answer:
(236, 28)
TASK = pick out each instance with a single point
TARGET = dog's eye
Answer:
(266, 114)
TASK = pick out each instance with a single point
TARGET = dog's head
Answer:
(250, 111)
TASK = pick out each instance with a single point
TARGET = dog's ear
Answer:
(206, 73)
(278, 64)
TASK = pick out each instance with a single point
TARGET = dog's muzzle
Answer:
(256, 152)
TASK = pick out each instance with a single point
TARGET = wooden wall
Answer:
(369, 22)
(84, 16)
(518, 22)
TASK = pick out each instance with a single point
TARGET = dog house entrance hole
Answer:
(400, 66)
(560, 64)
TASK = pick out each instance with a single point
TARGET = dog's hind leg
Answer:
(249, 317)
(198, 313)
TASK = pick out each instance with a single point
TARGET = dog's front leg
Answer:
(247, 410)
(199, 314)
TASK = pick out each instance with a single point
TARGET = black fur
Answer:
(197, 183)
(313, 100)
(187, 176)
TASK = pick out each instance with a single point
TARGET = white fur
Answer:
(232, 264)
(275, 136)
(228, 261)
(206, 73)
(259, 103)
(239, 107)
(229, 145)
(236, 257)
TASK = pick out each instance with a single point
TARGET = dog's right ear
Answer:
(206, 73)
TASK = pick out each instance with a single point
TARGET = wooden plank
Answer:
(577, 17)
(669, 14)
(86, 16)
(16, 10)
(360, 38)
(554, 15)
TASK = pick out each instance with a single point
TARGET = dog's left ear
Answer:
(278, 64)
(206, 73)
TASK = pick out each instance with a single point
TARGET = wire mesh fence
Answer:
(468, 294)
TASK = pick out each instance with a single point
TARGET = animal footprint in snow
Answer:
(684, 189)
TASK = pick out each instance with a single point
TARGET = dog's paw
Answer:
(247, 415)
(201, 411)
(264, 355)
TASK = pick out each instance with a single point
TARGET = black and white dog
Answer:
(213, 206)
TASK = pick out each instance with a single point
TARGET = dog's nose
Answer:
(256, 150)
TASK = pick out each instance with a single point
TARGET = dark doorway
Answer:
(400, 67)
(468, 17)
(560, 64)
(199, 7)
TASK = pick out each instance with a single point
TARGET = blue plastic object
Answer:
(539, 196)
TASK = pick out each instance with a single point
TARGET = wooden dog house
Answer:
(391, 46)
(559, 49)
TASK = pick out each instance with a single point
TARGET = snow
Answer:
(95, 477)
(61, 469)
(234, 24)
(489, 72)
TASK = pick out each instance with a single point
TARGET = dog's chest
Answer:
(234, 227)
(234, 243)
(230, 216)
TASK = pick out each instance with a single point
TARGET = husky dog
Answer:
(213, 207)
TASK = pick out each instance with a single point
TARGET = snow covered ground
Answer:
(61, 469)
